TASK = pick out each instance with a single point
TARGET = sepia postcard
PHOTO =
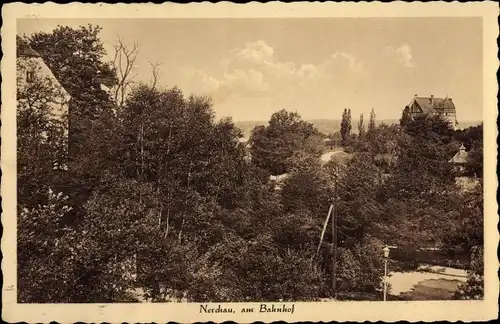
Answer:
(249, 162)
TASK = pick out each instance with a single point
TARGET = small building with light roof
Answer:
(460, 159)
(460, 162)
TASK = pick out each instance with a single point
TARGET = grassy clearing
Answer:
(432, 289)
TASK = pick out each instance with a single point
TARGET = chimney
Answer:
(430, 99)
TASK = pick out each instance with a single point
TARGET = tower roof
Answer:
(461, 157)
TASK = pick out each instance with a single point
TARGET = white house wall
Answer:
(60, 104)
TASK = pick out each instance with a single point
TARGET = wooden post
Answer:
(324, 229)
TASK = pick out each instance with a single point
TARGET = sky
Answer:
(314, 66)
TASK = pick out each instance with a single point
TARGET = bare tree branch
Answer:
(123, 63)
(124, 59)
(155, 70)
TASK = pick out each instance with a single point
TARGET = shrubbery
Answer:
(473, 288)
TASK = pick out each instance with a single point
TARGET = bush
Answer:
(360, 269)
(404, 254)
(46, 253)
(263, 272)
(473, 288)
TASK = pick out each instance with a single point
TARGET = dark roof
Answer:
(431, 105)
(23, 49)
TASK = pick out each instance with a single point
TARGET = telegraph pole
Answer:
(334, 237)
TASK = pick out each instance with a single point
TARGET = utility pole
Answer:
(334, 237)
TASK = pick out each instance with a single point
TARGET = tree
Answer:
(413, 222)
(76, 57)
(422, 168)
(120, 224)
(266, 272)
(357, 205)
(42, 242)
(418, 194)
(207, 192)
(405, 117)
(349, 122)
(307, 188)
(123, 63)
(465, 226)
(430, 128)
(472, 139)
(155, 72)
(174, 143)
(286, 134)
(469, 136)
(279, 274)
(96, 252)
(475, 167)
(361, 127)
(371, 123)
(360, 269)
(345, 125)
(385, 141)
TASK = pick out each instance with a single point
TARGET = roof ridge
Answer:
(429, 97)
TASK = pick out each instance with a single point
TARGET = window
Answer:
(30, 76)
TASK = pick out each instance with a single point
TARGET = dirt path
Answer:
(327, 156)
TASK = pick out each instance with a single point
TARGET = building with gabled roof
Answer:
(30, 67)
(434, 106)
(40, 90)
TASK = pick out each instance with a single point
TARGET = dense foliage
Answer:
(287, 134)
(159, 195)
(473, 288)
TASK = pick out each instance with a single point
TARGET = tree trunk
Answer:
(142, 150)
(168, 213)
(185, 203)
